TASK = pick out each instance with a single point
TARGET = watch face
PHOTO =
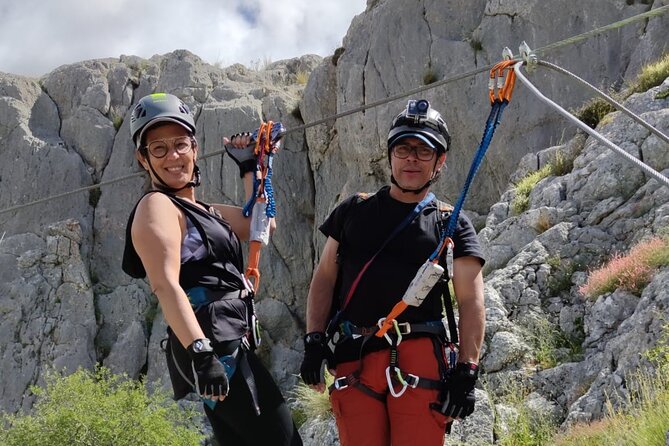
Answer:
(314, 338)
(197, 345)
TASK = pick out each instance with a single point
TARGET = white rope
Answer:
(638, 119)
(542, 50)
(655, 174)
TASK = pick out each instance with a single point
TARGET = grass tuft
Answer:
(652, 75)
(631, 272)
(310, 403)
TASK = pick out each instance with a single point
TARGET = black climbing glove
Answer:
(458, 397)
(208, 372)
(316, 354)
(244, 157)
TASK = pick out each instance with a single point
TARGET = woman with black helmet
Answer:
(190, 251)
(397, 389)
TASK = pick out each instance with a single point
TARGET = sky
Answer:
(37, 36)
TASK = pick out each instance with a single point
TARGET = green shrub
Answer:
(593, 111)
(117, 120)
(631, 272)
(98, 408)
(552, 346)
(521, 201)
(652, 75)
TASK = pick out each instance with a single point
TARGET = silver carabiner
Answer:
(391, 388)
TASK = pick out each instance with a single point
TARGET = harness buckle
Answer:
(404, 328)
(412, 380)
(341, 383)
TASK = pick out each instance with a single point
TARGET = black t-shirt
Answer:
(361, 226)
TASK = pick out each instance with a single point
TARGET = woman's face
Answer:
(172, 154)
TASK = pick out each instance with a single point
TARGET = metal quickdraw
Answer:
(261, 206)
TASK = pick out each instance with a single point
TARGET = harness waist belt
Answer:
(199, 296)
(348, 329)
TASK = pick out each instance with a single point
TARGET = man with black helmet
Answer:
(401, 388)
(191, 253)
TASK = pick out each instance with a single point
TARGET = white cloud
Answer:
(38, 36)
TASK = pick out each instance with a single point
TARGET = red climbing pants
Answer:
(363, 420)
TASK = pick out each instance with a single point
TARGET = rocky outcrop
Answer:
(65, 301)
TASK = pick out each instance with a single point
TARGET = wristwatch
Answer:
(315, 337)
(470, 369)
(200, 346)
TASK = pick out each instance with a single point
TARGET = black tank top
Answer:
(220, 270)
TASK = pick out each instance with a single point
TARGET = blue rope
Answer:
(491, 124)
(270, 211)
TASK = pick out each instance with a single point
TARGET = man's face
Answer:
(413, 162)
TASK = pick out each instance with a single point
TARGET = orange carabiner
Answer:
(504, 85)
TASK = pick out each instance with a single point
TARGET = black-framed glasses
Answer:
(423, 153)
(161, 147)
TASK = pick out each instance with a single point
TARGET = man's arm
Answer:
(319, 300)
(319, 303)
(468, 287)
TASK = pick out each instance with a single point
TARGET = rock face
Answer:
(65, 302)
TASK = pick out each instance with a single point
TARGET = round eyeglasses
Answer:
(423, 153)
(161, 147)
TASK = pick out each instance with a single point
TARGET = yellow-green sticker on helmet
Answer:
(159, 97)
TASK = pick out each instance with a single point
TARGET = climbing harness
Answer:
(531, 61)
(261, 206)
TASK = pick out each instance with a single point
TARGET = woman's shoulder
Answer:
(156, 204)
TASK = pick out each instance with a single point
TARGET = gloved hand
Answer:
(241, 150)
(211, 381)
(316, 353)
(458, 398)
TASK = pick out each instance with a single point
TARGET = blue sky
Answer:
(38, 36)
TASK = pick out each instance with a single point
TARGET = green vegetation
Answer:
(430, 76)
(310, 403)
(645, 419)
(631, 272)
(525, 427)
(117, 120)
(552, 346)
(593, 111)
(521, 202)
(98, 408)
(651, 75)
(561, 272)
(558, 166)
